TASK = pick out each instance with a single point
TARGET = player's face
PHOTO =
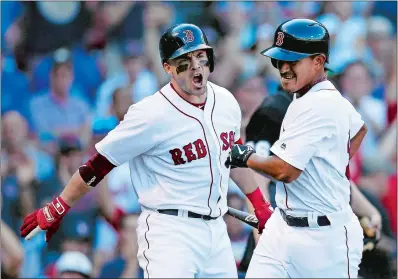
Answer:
(297, 74)
(191, 72)
(62, 79)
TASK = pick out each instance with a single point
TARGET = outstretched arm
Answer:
(49, 217)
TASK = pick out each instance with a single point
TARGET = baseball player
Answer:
(313, 231)
(176, 142)
(261, 133)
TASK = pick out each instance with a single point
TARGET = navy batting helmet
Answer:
(297, 39)
(181, 39)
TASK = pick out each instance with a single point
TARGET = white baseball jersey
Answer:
(176, 151)
(314, 138)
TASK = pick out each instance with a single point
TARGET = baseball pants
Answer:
(182, 247)
(333, 251)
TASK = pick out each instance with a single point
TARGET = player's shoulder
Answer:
(223, 94)
(323, 98)
(149, 107)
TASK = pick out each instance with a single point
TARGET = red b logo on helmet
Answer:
(188, 36)
(279, 39)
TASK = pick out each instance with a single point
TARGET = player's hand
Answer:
(239, 155)
(262, 209)
(371, 230)
(263, 213)
(47, 218)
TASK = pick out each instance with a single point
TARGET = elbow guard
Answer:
(95, 169)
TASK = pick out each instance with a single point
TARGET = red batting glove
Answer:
(117, 216)
(262, 209)
(47, 218)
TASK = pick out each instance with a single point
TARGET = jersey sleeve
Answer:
(356, 121)
(133, 136)
(303, 136)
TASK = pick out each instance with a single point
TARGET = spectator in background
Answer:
(116, 189)
(14, 87)
(57, 113)
(88, 72)
(11, 253)
(73, 265)
(10, 32)
(65, 22)
(140, 81)
(125, 263)
(357, 83)
(250, 93)
(237, 231)
(378, 183)
(157, 18)
(16, 143)
(381, 47)
(77, 232)
(23, 168)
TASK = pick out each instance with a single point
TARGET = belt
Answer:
(191, 214)
(303, 221)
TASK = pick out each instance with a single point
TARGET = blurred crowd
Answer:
(70, 70)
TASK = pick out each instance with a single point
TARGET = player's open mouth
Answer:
(197, 80)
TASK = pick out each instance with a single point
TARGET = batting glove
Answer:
(47, 218)
(238, 156)
(262, 209)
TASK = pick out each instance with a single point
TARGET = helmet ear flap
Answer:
(274, 62)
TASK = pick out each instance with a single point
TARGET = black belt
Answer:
(303, 221)
(191, 214)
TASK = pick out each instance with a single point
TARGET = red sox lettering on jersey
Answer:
(200, 150)
(178, 149)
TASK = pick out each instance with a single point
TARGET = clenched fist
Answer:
(47, 218)
(238, 156)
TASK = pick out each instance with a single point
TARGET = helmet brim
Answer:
(278, 53)
(185, 50)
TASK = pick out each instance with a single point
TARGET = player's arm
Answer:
(274, 167)
(243, 156)
(299, 142)
(356, 141)
(245, 180)
(362, 207)
(263, 185)
(121, 144)
(85, 178)
(358, 128)
(49, 217)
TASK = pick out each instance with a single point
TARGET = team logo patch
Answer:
(188, 36)
(47, 214)
(279, 39)
(283, 146)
